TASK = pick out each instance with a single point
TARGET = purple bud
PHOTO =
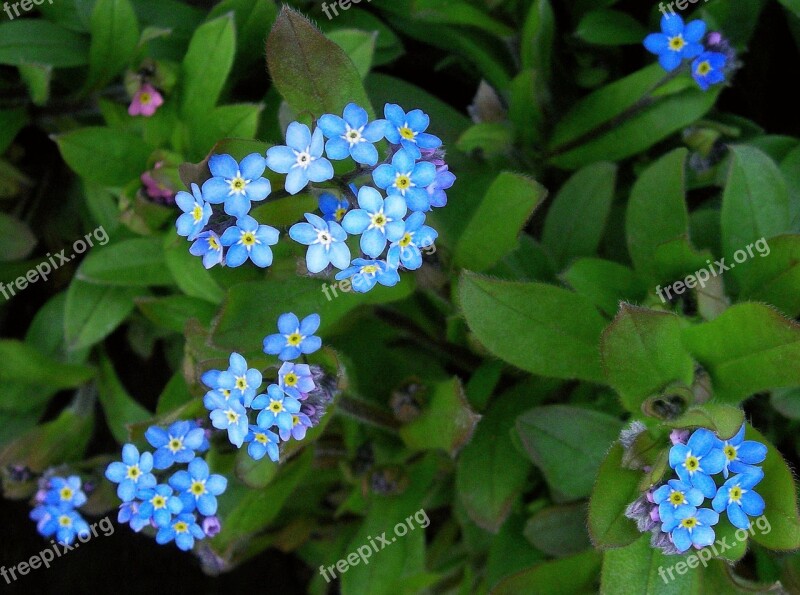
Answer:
(679, 436)
(714, 38)
(649, 495)
(211, 526)
(655, 516)
(40, 495)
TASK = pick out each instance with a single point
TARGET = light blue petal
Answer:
(296, 180)
(384, 175)
(694, 31)
(320, 170)
(215, 191)
(237, 205)
(331, 126)
(365, 153)
(703, 536)
(261, 256)
(737, 517)
(751, 452)
(355, 115)
(752, 503)
(370, 200)
(288, 323)
(681, 539)
(356, 221)
(656, 43)
(669, 60)
(308, 327)
(705, 484)
(340, 255)
(223, 166)
(280, 159)
(298, 136)
(236, 256)
(337, 148)
(258, 189)
(252, 167)
(373, 242)
(317, 258)
(395, 208)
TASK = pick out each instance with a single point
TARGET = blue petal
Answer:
(705, 484)
(373, 242)
(320, 170)
(331, 126)
(707, 516)
(418, 120)
(261, 256)
(207, 505)
(317, 258)
(157, 437)
(288, 323)
(258, 189)
(384, 175)
(355, 115)
(273, 344)
(309, 325)
(656, 43)
(280, 159)
(356, 221)
(669, 60)
(681, 539)
(223, 166)
(296, 180)
(298, 136)
(737, 517)
(215, 191)
(703, 536)
(370, 200)
(337, 148)
(751, 452)
(418, 199)
(752, 503)
(395, 114)
(694, 31)
(252, 167)
(713, 462)
(237, 205)
(236, 256)
(394, 207)
(116, 472)
(328, 203)
(428, 141)
(701, 442)
(310, 345)
(130, 454)
(671, 24)
(340, 255)
(365, 153)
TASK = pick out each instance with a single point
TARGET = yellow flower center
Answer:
(134, 472)
(340, 213)
(261, 438)
(145, 98)
(180, 527)
(248, 238)
(689, 523)
(175, 444)
(213, 243)
(276, 406)
(402, 182)
(226, 393)
(197, 213)
(290, 379)
(294, 339)
(233, 417)
(241, 382)
(379, 219)
(64, 521)
(677, 43)
(703, 68)
(405, 240)
(158, 502)
(369, 269)
(295, 420)
(407, 133)
(198, 488)
(66, 493)
(730, 452)
(735, 494)
(692, 463)
(237, 185)
(677, 498)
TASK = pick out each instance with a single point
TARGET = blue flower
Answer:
(409, 129)
(197, 488)
(236, 184)
(325, 241)
(159, 504)
(408, 179)
(276, 408)
(737, 497)
(183, 529)
(676, 42)
(241, 381)
(65, 522)
(296, 379)
(741, 454)
(436, 189)
(708, 69)
(65, 491)
(295, 337)
(674, 495)
(248, 239)
(262, 441)
(332, 208)
(352, 135)
(176, 444)
(196, 213)
(406, 250)
(365, 274)
(301, 158)
(229, 415)
(132, 473)
(697, 460)
(691, 526)
(300, 425)
(208, 246)
(378, 220)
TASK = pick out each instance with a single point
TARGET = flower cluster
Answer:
(679, 42)
(56, 512)
(674, 509)
(291, 406)
(181, 507)
(411, 180)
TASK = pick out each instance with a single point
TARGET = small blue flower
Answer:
(276, 408)
(406, 250)
(159, 504)
(248, 239)
(229, 415)
(697, 460)
(409, 129)
(183, 529)
(208, 246)
(352, 135)
(296, 379)
(294, 338)
(176, 444)
(332, 208)
(741, 454)
(262, 441)
(674, 495)
(691, 526)
(301, 158)
(737, 497)
(444, 181)
(365, 274)
(676, 42)
(708, 69)
(65, 491)
(325, 241)
(408, 179)
(132, 473)
(196, 213)
(236, 184)
(127, 511)
(198, 489)
(65, 522)
(378, 220)
(241, 381)
(300, 425)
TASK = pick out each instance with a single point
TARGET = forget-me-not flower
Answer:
(697, 460)
(365, 274)
(65, 522)
(294, 337)
(676, 42)
(736, 496)
(332, 208)
(691, 526)
(300, 425)
(65, 491)
(176, 444)
(353, 135)
(236, 184)
(159, 504)
(248, 239)
(406, 250)
(229, 415)
(262, 442)
(196, 213)
(378, 220)
(408, 179)
(741, 454)
(325, 241)
(183, 529)
(674, 495)
(243, 382)
(301, 158)
(132, 473)
(276, 408)
(409, 129)
(197, 488)
(708, 69)
(209, 246)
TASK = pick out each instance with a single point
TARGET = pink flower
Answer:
(679, 436)
(145, 102)
(155, 187)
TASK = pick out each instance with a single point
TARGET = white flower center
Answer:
(237, 185)
(324, 238)
(378, 220)
(304, 158)
(353, 135)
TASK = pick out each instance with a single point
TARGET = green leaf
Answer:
(610, 27)
(643, 353)
(174, 396)
(559, 530)
(312, 73)
(188, 272)
(16, 239)
(657, 212)
(567, 444)
(103, 155)
(11, 122)
(494, 228)
(746, 350)
(589, 193)
(358, 45)
(615, 488)
(204, 72)
(119, 407)
(491, 455)
(34, 41)
(37, 78)
(569, 576)
(538, 34)
(172, 312)
(25, 364)
(725, 420)
(490, 138)
(253, 19)
(94, 311)
(447, 402)
(540, 328)
(138, 262)
(458, 12)
(115, 36)
(775, 280)
(605, 283)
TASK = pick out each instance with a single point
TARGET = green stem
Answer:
(366, 412)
